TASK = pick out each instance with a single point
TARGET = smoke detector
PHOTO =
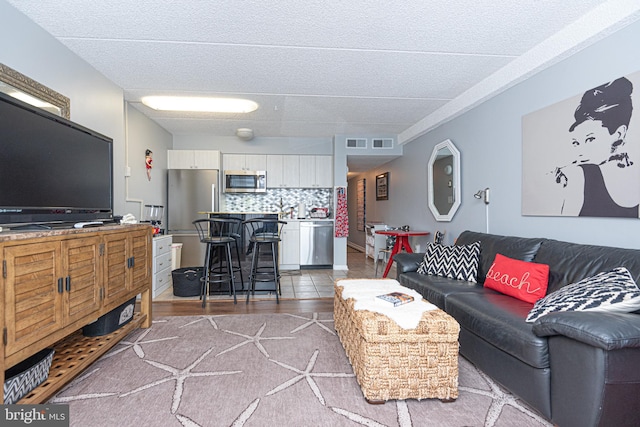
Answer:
(245, 134)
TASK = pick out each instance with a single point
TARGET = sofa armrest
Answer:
(608, 331)
(407, 262)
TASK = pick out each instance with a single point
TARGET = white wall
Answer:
(143, 134)
(489, 137)
(490, 140)
(258, 145)
(96, 102)
(340, 180)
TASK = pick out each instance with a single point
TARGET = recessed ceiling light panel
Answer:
(200, 104)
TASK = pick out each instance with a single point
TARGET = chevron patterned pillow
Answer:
(458, 262)
(613, 291)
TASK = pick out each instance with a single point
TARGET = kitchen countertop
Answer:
(237, 212)
(307, 219)
(265, 213)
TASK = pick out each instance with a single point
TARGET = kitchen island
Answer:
(305, 241)
(243, 216)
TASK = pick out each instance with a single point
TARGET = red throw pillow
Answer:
(526, 281)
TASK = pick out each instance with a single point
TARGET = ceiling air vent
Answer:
(356, 143)
(382, 143)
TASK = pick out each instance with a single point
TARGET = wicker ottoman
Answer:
(395, 363)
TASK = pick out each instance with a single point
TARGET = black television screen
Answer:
(51, 169)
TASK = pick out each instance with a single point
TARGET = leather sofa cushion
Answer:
(435, 288)
(608, 331)
(407, 262)
(572, 262)
(500, 320)
(520, 248)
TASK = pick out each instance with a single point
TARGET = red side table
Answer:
(402, 242)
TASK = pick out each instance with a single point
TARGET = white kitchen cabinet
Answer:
(307, 171)
(290, 246)
(256, 162)
(316, 171)
(233, 162)
(291, 171)
(193, 159)
(324, 171)
(275, 165)
(248, 162)
(161, 264)
(283, 171)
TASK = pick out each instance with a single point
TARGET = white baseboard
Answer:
(356, 247)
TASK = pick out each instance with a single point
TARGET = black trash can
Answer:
(186, 281)
(111, 321)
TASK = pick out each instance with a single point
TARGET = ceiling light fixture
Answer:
(199, 104)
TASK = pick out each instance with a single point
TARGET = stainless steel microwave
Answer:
(242, 181)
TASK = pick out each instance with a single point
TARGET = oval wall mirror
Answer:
(444, 181)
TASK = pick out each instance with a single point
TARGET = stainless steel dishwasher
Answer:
(316, 244)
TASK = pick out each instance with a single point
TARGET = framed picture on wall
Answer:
(580, 155)
(382, 186)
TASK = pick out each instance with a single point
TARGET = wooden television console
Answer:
(55, 282)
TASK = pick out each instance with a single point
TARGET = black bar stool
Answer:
(264, 235)
(236, 233)
(216, 233)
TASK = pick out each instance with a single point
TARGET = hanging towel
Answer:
(342, 215)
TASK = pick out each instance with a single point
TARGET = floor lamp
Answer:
(484, 194)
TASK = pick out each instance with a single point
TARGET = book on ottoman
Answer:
(396, 298)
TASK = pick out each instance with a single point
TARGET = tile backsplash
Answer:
(270, 201)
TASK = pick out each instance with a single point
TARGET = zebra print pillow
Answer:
(455, 262)
(613, 291)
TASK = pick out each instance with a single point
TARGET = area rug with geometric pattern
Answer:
(261, 370)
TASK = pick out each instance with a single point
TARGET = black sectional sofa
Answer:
(576, 368)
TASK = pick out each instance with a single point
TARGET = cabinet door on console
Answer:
(140, 251)
(117, 266)
(81, 261)
(33, 298)
(127, 263)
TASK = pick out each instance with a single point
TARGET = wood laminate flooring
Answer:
(308, 291)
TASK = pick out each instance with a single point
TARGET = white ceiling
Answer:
(316, 67)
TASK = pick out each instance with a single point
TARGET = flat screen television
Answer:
(52, 171)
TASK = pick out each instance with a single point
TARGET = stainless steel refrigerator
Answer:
(189, 192)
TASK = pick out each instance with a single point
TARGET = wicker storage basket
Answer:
(395, 363)
(27, 375)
